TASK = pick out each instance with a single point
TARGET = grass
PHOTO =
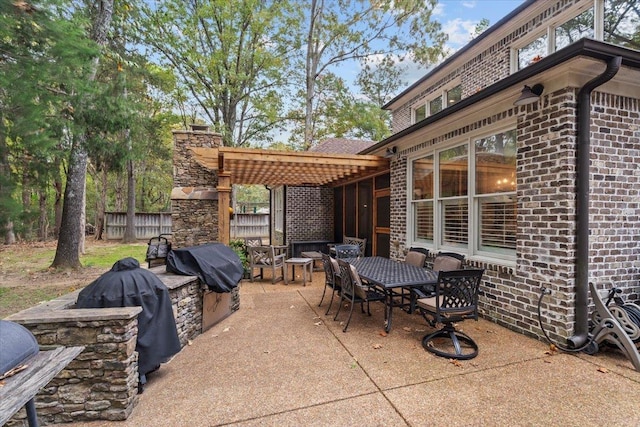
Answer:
(26, 280)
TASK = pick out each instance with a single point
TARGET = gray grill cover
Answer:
(17, 344)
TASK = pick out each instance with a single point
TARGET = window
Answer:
(574, 29)
(435, 105)
(533, 52)
(278, 208)
(621, 26)
(454, 95)
(442, 98)
(419, 113)
(622, 23)
(464, 197)
(495, 186)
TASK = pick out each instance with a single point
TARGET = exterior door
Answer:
(382, 222)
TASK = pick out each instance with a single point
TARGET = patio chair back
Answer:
(361, 243)
(265, 257)
(455, 299)
(415, 258)
(348, 251)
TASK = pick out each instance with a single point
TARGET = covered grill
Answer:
(215, 264)
(128, 285)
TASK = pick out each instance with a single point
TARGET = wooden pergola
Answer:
(274, 168)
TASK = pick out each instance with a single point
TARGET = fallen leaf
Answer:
(406, 328)
(226, 329)
(382, 333)
(318, 323)
(189, 342)
(293, 306)
(546, 361)
(456, 362)
(603, 370)
(553, 348)
(377, 346)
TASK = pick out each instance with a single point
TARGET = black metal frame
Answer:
(355, 292)
(456, 299)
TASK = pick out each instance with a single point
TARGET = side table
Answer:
(307, 265)
(315, 256)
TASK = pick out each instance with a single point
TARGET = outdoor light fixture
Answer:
(529, 95)
(391, 151)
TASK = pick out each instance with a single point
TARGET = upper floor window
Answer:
(622, 23)
(442, 99)
(621, 26)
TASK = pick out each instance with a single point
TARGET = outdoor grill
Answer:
(17, 345)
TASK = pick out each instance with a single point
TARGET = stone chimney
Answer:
(194, 198)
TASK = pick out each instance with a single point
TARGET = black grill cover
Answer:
(215, 264)
(17, 344)
(128, 285)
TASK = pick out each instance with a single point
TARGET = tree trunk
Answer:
(57, 205)
(27, 215)
(67, 251)
(130, 230)
(43, 219)
(69, 241)
(102, 204)
(9, 235)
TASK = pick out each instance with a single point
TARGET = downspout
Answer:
(581, 327)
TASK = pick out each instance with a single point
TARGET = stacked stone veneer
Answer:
(194, 199)
(102, 382)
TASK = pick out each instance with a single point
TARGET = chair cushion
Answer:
(359, 290)
(446, 263)
(427, 303)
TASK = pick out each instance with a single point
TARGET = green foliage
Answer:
(238, 246)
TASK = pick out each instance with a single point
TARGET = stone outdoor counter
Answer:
(102, 382)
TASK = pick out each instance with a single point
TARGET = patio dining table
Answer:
(393, 278)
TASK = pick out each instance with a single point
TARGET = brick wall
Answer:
(484, 69)
(309, 214)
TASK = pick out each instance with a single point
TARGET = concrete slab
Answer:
(280, 361)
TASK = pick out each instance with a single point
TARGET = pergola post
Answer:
(224, 205)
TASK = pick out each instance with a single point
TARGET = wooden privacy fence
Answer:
(150, 224)
(250, 225)
(147, 224)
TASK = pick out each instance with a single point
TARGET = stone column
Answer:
(194, 198)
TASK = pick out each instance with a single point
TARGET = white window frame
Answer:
(426, 102)
(472, 249)
(278, 209)
(550, 29)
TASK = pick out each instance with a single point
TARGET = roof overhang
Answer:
(294, 168)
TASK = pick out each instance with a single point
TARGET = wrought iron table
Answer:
(389, 276)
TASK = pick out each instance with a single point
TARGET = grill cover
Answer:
(17, 344)
(215, 264)
(128, 285)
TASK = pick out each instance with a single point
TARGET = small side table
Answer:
(315, 256)
(307, 265)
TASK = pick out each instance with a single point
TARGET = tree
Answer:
(229, 56)
(71, 227)
(356, 31)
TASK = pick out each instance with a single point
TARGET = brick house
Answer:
(539, 186)
(543, 192)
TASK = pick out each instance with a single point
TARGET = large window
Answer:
(619, 24)
(463, 197)
(278, 208)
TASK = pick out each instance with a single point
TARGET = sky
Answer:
(459, 19)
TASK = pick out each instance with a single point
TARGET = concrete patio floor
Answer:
(279, 361)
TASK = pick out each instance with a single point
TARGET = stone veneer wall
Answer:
(194, 198)
(102, 382)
